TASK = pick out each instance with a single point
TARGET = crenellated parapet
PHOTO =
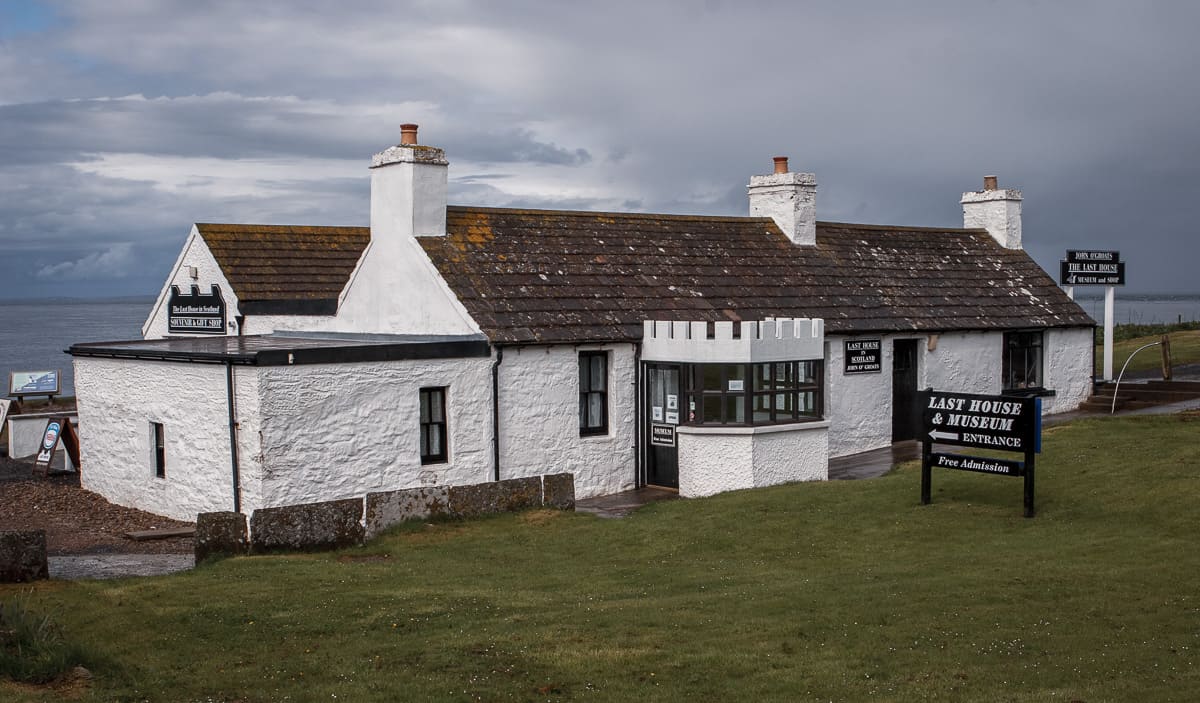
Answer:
(785, 339)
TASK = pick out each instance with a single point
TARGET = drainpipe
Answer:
(496, 413)
(233, 444)
(637, 414)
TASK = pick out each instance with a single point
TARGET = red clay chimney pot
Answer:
(408, 135)
(989, 183)
(781, 165)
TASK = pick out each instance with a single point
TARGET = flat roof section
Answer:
(290, 349)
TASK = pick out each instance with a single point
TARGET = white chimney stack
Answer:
(408, 190)
(788, 198)
(998, 210)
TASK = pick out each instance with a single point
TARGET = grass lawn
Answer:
(842, 591)
(1185, 349)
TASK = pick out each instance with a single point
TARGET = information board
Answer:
(863, 356)
(33, 383)
(196, 313)
(995, 422)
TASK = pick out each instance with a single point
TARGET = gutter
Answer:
(233, 440)
(496, 413)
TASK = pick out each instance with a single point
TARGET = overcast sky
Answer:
(123, 122)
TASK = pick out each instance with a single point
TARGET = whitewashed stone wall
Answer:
(117, 401)
(334, 431)
(858, 406)
(1068, 368)
(964, 362)
(539, 418)
(717, 459)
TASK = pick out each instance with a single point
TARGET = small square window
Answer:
(433, 425)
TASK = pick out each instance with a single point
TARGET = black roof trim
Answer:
(272, 350)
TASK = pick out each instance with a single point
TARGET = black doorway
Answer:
(662, 412)
(906, 416)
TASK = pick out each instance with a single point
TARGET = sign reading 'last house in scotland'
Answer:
(863, 356)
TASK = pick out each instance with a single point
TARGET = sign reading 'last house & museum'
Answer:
(1005, 423)
(196, 313)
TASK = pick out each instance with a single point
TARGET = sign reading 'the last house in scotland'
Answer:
(863, 356)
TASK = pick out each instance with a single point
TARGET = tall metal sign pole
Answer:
(1096, 268)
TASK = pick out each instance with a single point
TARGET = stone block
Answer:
(558, 491)
(475, 500)
(392, 507)
(309, 526)
(220, 535)
(23, 556)
(520, 494)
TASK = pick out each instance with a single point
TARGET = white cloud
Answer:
(114, 262)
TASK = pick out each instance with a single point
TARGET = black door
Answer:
(906, 416)
(662, 416)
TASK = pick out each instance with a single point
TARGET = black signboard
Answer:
(1092, 268)
(989, 421)
(1091, 274)
(196, 313)
(1077, 256)
(996, 422)
(662, 435)
(863, 356)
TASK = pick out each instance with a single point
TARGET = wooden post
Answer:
(1166, 357)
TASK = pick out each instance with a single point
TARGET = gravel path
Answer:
(85, 534)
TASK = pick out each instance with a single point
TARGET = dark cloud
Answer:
(123, 122)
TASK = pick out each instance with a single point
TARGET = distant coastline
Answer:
(62, 300)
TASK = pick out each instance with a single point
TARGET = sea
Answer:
(34, 334)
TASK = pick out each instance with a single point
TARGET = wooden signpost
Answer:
(1006, 423)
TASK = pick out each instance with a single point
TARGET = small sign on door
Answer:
(662, 435)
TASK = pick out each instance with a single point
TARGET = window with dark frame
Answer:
(1022, 367)
(754, 394)
(593, 392)
(433, 425)
(159, 439)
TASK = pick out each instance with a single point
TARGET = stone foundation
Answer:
(220, 535)
(23, 556)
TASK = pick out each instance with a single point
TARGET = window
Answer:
(158, 441)
(1022, 360)
(754, 394)
(433, 425)
(593, 392)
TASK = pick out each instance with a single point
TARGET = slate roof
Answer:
(281, 269)
(530, 276)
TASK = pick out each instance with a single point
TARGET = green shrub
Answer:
(32, 646)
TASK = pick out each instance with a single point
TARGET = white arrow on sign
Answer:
(943, 435)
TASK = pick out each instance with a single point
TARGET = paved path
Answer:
(112, 566)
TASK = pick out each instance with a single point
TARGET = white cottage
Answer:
(453, 345)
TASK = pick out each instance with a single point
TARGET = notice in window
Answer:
(673, 418)
(672, 402)
(656, 413)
